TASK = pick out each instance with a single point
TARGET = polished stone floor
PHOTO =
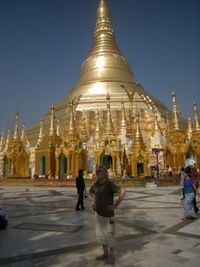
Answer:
(45, 230)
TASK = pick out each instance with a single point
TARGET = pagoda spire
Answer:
(175, 118)
(138, 139)
(109, 125)
(71, 130)
(2, 141)
(24, 137)
(105, 60)
(41, 132)
(52, 131)
(156, 126)
(123, 125)
(196, 117)
(189, 128)
(8, 139)
(58, 130)
(98, 127)
(16, 136)
(104, 36)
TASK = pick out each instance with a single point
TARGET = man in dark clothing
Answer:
(103, 191)
(80, 185)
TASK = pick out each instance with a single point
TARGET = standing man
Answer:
(80, 186)
(103, 192)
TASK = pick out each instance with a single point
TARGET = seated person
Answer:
(3, 219)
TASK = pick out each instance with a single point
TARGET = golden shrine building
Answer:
(107, 118)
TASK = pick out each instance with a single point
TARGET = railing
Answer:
(135, 182)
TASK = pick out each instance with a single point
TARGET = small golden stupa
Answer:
(108, 118)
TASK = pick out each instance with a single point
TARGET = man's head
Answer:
(101, 173)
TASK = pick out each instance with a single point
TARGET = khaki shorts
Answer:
(105, 231)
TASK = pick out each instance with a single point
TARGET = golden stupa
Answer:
(108, 118)
(105, 72)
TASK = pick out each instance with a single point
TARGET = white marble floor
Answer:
(45, 230)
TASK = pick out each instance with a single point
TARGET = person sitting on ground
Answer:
(3, 219)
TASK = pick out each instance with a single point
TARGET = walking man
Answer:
(80, 186)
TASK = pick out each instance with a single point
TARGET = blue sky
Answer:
(44, 42)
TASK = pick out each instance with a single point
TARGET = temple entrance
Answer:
(106, 161)
(140, 166)
(62, 166)
(42, 165)
(5, 167)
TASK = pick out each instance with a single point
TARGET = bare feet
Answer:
(111, 259)
(188, 218)
(102, 257)
(184, 219)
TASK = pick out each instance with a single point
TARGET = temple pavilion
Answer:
(107, 118)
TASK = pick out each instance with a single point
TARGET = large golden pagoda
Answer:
(108, 118)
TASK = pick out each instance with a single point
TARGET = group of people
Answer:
(103, 191)
(190, 187)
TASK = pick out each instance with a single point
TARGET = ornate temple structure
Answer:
(107, 118)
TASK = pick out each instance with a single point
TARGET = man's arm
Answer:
(121, 196)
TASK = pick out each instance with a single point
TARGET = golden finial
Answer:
(41, 132)
(98, 127)
(24, 137)
(58, 130)
(109, 125)
(52, 130)
(138, 139)
(16, 132)
(104, 36)
(2, 141)
(175, 119)
(71, 128)
(196, 117)
(8, 139)
(189, 128)
(123, 125)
